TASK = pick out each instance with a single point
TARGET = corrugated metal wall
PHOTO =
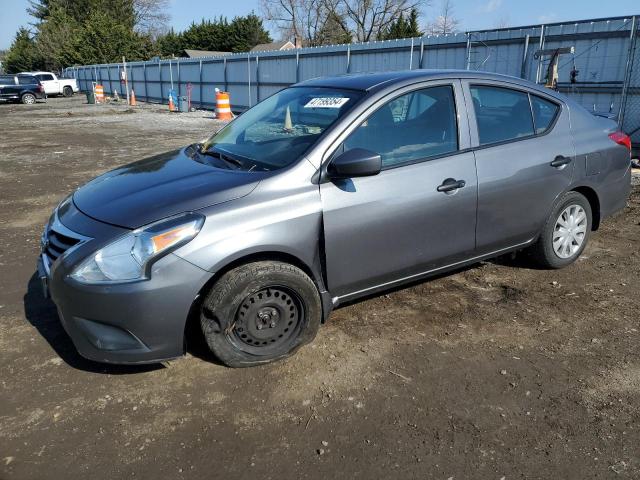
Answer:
(601, 56)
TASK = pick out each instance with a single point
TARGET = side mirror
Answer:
(356, 162)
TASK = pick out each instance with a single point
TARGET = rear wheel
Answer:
(566, 232)
(260, 312)
(28, 99)
(67, 91)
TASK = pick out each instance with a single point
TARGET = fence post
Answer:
(257, 80)
(200, 83)
(226, 86)
(297, 65)
(348, 58)
(411, 56)
(421, 51)
(627, 74)
(249, 77)
(540, 47)
(468, 50)
(144, 75)
(523, 68)
(161, 89)
(179, 89)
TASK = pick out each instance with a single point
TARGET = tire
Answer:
(67, 91)
(574, 210)
(28, 99)
(260, 312)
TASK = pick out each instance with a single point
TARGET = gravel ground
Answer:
(496, 371)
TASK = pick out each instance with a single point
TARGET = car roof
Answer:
(376, 81)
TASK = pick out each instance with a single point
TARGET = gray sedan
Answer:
(328, 191)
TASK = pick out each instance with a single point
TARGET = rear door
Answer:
(524, 157)
(398, 224)
(8, 87)
(50, 84)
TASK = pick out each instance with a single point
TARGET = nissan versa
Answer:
(330, 190)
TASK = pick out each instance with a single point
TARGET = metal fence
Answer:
(629, 117)
(605, 57)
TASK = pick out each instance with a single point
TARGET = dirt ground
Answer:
(496, 371)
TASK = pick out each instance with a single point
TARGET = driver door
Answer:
(399, 224)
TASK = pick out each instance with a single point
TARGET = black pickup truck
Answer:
(22, 88)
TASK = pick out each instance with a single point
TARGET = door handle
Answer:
(560, 161)
(451, 184)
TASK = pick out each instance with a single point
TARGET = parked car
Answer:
(22, 88)
(54, 85)
(326, 192)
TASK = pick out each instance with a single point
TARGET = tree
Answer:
(151, 17)
(22, 55)
(171, 44)
(239, 35)
(446, 22)
(402, 28)
(333, 31)
(370, 19)
(244, 33)
(311, 22)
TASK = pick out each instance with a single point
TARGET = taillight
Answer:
(621, 138)
(40, 88)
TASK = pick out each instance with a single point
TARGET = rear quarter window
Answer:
(544, 113)
(25, 80)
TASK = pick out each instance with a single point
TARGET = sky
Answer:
(473, 14)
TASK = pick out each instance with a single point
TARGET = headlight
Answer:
(127, 258)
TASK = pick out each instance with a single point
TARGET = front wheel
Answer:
(260, 312)
(67, 91)
(28, 99)
(566, 232)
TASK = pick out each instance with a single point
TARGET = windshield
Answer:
(279, 130)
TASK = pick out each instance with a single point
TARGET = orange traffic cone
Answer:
(172, 107)
(133, 99)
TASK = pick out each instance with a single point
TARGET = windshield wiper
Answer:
(224, 158)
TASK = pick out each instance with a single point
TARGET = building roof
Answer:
(204, 53)
(273, 46)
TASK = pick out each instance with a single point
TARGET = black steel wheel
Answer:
(67, 91)
(267, 320)
(260, 312)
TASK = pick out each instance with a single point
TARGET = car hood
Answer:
(159, 187)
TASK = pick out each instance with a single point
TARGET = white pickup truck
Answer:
(54, 85)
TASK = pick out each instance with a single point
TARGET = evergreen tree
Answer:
(333, 31)
(170, 44)
(22, 55)
(403, 28)
(244, 33)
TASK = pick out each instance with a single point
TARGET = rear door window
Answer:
(23, 80)
(7, 80)
(45, 77)
(544, 113)
(501, 114)
(410, 128)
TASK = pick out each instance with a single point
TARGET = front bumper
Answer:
(136, 322)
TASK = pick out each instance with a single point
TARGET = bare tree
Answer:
(151, 17)
(305, 20)
(446, 22)
(368, 19)
(359, 20)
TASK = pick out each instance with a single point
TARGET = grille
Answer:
(57, 244)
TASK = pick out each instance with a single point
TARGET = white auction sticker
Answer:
(326, 102)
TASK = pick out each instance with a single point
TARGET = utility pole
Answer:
(126, 79)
